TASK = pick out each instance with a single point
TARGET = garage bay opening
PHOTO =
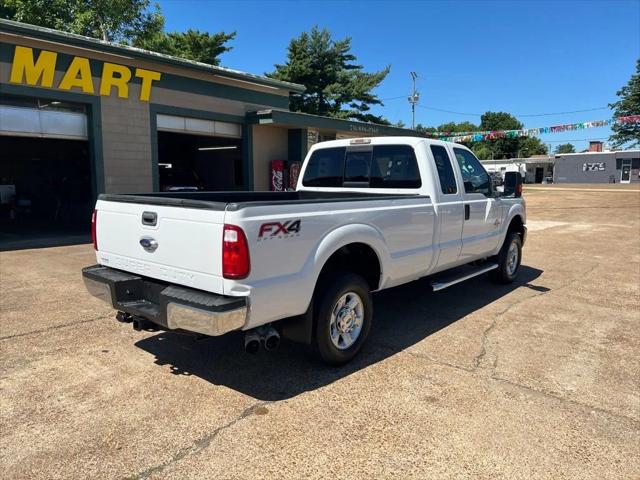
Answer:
(196, 154)
(45, 173)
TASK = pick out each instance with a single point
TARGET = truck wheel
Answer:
(343, 315)
(509, 260)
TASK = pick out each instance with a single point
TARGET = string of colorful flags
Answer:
(527, 132)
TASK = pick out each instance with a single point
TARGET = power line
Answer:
(575, 140)
(561, 113)
(516, 114)
(393, 98)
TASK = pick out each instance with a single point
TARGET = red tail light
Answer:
(235, 253)
(94, 224)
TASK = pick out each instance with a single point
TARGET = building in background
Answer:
(80, 117)
(535, 169)
(596, 166)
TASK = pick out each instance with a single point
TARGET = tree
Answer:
(566, 148)
(335, 85)
(192, 44)
(509, 147)
(629, 104)
(515, 146)
(131, 22)
(109, 20)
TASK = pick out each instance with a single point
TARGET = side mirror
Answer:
(513, 184)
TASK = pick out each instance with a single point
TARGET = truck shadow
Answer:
(403, 317)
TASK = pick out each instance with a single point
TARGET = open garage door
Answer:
(196, 154)
(45, 171)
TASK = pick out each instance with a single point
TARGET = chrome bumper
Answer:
(193, 319)
(171, 307)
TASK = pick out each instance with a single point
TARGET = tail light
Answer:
(235, 253)
(519, 190)
(94, 224)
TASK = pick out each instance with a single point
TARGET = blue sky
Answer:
(521, 57)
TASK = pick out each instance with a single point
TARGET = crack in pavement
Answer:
(484, 350)
(566, 400)
(542, 393)
(199, 445)
(54, 327)
(478, 359)
(492, 376)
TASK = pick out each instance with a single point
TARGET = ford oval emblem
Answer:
(149, 244)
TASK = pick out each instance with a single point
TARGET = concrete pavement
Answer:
(539, 379)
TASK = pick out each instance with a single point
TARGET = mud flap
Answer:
(298, 329)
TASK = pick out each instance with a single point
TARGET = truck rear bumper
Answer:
(169, 306)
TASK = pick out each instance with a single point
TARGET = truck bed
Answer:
(238, 200)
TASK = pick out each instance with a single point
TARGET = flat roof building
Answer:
(598, 167)
(534, 169)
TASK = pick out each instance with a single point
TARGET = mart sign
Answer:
(26, 69)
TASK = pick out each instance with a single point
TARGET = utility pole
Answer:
(413, 99)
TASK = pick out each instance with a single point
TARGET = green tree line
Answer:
(521, 147)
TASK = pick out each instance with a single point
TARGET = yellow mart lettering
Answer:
(41, 72)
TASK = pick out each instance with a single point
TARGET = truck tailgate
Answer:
(171, 243)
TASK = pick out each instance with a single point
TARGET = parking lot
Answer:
(539, 379)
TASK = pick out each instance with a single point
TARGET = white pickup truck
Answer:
(367, 214)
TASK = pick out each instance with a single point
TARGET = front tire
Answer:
(343, 313)
(509, 260)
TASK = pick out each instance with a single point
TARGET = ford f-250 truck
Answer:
(367, 214)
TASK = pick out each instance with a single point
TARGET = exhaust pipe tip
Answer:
(251, 342)
(265, 335)
(272, 341)
(252, 346)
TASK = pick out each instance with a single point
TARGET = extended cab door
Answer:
(450, 208)
(482, 212)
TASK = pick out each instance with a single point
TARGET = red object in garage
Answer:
(294, 173)
(277, 175)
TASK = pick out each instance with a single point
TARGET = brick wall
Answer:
(126, 142)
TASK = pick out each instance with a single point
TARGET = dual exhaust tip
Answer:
(267, 336)
(253, 339)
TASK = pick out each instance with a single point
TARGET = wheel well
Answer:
(516, 226)
(357, 258)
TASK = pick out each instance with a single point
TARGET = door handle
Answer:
(467, 211)
(149, 218)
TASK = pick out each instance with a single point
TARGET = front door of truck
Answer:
(482, 212)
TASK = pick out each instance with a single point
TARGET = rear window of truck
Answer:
(325, 168)
(383, 166)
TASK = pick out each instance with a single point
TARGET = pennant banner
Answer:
(527, 132)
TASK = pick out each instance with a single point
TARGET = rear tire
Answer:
(342, 317)
(509, 260)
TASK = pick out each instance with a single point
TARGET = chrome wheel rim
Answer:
(347, 317)
(512, 259)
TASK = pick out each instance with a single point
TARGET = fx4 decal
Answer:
(271, 230)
